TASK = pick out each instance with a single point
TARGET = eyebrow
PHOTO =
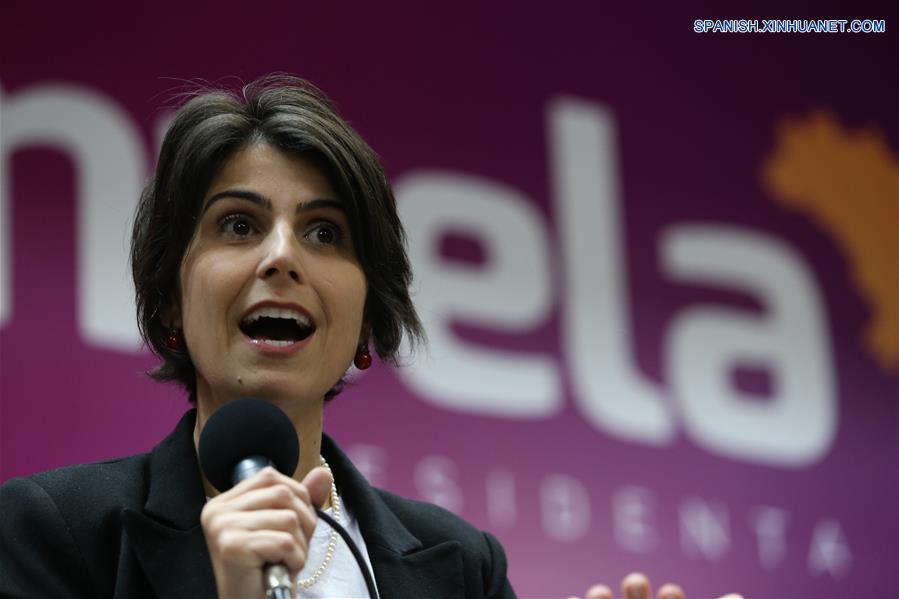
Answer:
(261, 200)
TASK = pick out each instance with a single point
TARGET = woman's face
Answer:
(272, 293)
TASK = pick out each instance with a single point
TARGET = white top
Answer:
(342, 577)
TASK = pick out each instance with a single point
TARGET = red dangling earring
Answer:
(175, 340)
(362, 359)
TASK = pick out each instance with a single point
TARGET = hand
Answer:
(267, 518)
(636, 586)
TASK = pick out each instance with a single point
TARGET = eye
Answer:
(325, 234)
(236, 226)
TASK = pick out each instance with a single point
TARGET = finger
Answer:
(256, 509)
(670, 591)
(731, 596)
(269, 476)
(252, 549)
(264, 478)
(308, 519)
(276, 495)
(598, 591)
(318, 484)
(276, 547)
(636, 586)
(229, 526)
(286, 520)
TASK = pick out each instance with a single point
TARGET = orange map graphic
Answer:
(848, 181)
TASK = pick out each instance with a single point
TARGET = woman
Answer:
(267, 257)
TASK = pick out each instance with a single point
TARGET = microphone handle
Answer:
(277, 581)
(247, 467)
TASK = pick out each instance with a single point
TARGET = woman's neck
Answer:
(306, 417)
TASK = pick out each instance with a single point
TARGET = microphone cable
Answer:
(281, 592)
(366, 573)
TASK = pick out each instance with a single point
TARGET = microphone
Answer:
(241, 438)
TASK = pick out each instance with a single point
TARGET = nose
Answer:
(281, 256)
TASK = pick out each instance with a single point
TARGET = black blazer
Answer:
(130, 529)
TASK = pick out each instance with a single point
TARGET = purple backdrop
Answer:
(659, 270)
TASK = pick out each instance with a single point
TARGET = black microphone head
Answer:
(245, 428)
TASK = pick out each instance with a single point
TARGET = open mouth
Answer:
(278, 327)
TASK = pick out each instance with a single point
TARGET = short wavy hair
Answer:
(295, 117)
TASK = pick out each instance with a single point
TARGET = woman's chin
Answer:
(281, 391)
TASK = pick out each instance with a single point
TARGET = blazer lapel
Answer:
(404, 567)
(436, 571)
(167, 536)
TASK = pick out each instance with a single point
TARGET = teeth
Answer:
(275, 342)
(272, 312)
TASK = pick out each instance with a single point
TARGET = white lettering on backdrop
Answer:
(793, 427)
(706, 530)
(829, 552)
(633, 509)
(564, 508)
(770, 525)
(110, 164)
(514, 291)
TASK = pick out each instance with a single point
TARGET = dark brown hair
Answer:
(293, 116)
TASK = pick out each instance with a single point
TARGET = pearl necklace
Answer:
(332, 539)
